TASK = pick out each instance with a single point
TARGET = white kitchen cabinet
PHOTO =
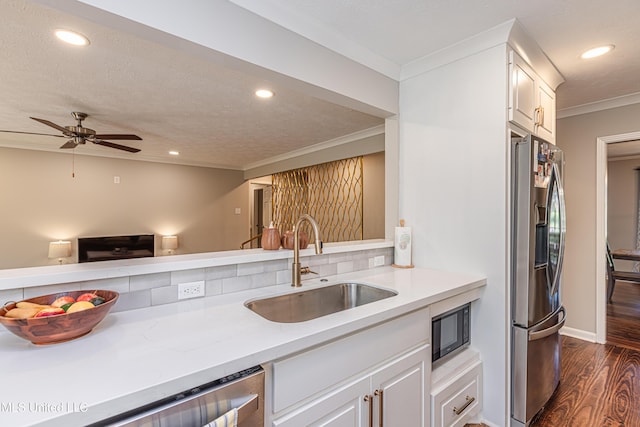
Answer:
(456, 390)
(532, 103)
(399, 395)
(342, 407)
(391, 395)
(380, 376)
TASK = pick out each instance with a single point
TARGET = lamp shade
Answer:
(169, 242)
(60, 249)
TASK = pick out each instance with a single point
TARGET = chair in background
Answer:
(613, 275)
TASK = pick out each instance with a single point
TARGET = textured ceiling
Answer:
(176, 101)
(623, 150)
(173, 100)
(401, 31)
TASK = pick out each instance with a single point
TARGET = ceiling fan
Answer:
(80, 135)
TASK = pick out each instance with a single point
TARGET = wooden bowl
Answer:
(61, 327)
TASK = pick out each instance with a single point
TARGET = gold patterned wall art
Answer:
(330, 192)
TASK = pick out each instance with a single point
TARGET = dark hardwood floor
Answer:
(623, 316)
(600, 384)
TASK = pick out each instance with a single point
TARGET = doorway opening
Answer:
(261, 211)
(601, 228)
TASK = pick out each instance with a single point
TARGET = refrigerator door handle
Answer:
(556, 180)
(563, 222)
(538, 335)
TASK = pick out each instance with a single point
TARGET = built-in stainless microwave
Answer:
(450, 332)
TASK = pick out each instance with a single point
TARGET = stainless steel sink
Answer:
(314, 303)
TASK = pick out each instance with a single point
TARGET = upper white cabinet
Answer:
(532, 103)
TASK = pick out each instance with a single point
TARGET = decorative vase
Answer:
(288, 239)
(270, 239)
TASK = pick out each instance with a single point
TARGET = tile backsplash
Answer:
(162, 288)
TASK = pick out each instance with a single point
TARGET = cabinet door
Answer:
(344, 407)
(522, 93)
(546, 123)
(401, 390)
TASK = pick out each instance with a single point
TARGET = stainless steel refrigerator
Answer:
(537, 314)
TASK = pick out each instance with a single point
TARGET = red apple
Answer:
(86, 297)
(62, 301)
(53, 311)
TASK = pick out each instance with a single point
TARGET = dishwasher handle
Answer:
(248, 408)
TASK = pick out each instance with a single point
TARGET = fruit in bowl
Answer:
(87, 296)
(65, 299)
(49, 311)
(39, 321)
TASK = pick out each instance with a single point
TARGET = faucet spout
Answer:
(296, 275)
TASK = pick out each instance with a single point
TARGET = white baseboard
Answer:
(578, 333)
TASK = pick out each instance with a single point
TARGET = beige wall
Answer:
(373, 196)
(577, 135)
(42, 202)
(622, 205)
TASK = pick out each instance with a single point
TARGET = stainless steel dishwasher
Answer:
(201, 405)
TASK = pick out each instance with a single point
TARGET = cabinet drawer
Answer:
(456, 402)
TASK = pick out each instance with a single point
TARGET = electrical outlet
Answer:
(191, 290)
(370, 262)
(378, 261)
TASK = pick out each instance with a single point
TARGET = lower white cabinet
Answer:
(342, 407)
(379, 377)
(456, 391)
(391, 395)
(399, 396)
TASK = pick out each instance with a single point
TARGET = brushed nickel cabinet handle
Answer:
(380, 410)
(469, 401)
(369, 398)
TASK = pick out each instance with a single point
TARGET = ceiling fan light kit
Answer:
(79, 135)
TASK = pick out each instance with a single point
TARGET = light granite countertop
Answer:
(139, 356)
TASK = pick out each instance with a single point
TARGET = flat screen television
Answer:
(91, 249)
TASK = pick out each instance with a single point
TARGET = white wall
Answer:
(622, 205)
(576, 136)
(453, 192)
(41, 202)
(622, 202)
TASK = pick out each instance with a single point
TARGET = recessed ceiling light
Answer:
(264, 93)
(597, 51)
(72, 37)
(174, 153)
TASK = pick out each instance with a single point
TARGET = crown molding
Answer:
(605, 104)
(346, 139)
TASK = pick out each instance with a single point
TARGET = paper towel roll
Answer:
(402, 247)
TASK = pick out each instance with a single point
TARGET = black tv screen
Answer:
(92, 249)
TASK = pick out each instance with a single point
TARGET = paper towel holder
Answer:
(397, 244)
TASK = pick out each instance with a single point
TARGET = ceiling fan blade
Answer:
(31, 133)
(118, 136)
(116, 146)
(53, 125)
(69, 144)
